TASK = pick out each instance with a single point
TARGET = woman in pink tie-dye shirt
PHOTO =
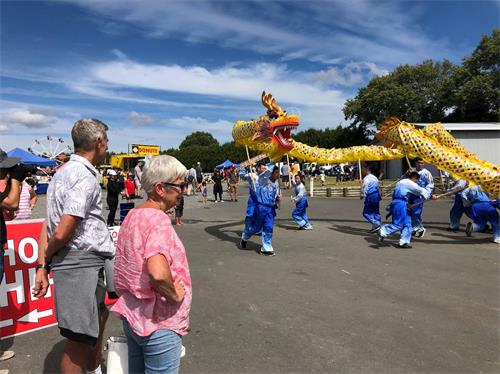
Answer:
(152, 274)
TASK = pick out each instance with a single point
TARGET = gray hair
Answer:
(161, 169)
(86, 131)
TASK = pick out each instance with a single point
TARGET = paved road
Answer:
(332, 300)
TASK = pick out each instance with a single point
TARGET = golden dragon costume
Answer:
(271, 134)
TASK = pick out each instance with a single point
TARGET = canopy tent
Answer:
(226, 164)
(28, 158)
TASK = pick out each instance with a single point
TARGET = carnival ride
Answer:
(49, 147)
(271, 135)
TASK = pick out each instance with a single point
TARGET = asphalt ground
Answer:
(332, 300)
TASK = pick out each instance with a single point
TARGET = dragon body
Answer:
(271, 134)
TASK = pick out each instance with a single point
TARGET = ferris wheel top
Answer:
(49, 147)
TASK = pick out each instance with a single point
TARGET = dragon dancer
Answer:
(299, 214)
(425, 181)
(401, 221)
(267, 196)
(458, 209)
(370, 191)
(483, 211)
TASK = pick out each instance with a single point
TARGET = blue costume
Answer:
(401, 221)
(252, 199)
(427, 182)
(371, 193)
(299, 214)
(458, 209)
(483, 210)
(264, 211)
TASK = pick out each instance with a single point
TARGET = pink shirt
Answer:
(24, 211)
(145, 233)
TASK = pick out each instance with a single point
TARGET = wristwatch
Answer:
(43, 266)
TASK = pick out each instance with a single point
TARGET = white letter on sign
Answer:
(17, 286)
(22, 250)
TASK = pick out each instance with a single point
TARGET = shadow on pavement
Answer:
(53, 359)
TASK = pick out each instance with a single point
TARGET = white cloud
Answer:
(4, 127)
(140, 119)
(349, 75)
(380, 31)
(31, 117)
(236, 83)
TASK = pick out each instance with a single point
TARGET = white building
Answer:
(483, 139)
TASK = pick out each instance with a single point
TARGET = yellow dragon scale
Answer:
(270, 134)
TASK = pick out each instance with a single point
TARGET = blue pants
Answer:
(262, 220)
(371, 210)
(456, 212)
(484, 211)
(299, 214)
(401, 221)
(159, 352)
(416, 213)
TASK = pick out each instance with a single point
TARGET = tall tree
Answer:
(199, 138)
(434, 91)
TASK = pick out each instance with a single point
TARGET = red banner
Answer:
(20, 312)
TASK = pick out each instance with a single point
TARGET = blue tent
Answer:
(28, 158)
(226, 164)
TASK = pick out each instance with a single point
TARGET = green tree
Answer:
(418, 93)
(330, 138)
(478, 82)
(434, 91)
(199, 138)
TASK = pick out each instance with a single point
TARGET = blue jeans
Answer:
(159, 352)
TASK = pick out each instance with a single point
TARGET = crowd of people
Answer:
(147, 271)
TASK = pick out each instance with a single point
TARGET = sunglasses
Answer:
(182, 186)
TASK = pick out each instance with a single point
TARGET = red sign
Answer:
(20, 312)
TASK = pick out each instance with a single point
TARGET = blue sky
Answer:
(156, 71)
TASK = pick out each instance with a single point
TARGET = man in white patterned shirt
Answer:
(79, 243)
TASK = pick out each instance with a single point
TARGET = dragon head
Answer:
(269, 133)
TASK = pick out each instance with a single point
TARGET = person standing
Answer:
(299, 214)
(234, 181)
(179, 210)
(199, 173)
(458, 209)
(252, 178)
(401, 221)
(267, 196)
(14, 175)
(138, 178)
(370, 191)
(217, 179)
(114, 189)
(27, 202)
(483, 210)
(130, 186)
(285, 175)
(79, 244)
(426, 181)
(152, 275)
(191, 180)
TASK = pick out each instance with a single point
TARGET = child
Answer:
(299, 214)
(204, 191)
(179, 208)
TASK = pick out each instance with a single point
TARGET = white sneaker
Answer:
(5, 355)
(496, 241)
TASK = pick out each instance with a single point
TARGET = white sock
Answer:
(96, 371)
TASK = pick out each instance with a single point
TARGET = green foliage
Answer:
(199, 138)
(434, 91)
(329, 138)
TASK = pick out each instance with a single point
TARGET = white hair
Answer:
(161, 169)
(86, 131)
